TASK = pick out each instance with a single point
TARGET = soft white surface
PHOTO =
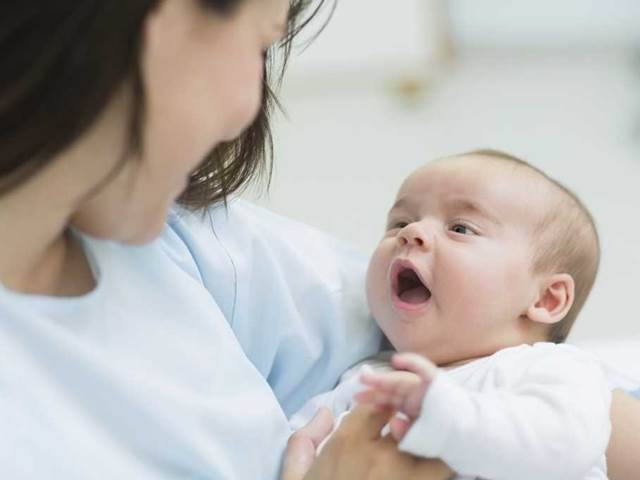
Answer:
(620, 358)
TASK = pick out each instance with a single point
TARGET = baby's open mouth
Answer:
(409, 287)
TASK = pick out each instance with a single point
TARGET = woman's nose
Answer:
(414, 235)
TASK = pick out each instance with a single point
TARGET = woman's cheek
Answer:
(243, 108)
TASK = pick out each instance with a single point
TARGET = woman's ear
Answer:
(554, 299)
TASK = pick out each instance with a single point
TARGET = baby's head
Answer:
(481, 252)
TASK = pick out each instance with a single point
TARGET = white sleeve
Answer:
(551, 422)
(339, 400)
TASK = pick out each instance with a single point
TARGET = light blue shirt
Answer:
(187, 358)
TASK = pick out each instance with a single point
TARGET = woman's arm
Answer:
(623, 454)
(355, 452)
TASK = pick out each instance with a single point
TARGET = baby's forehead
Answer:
(477, 172)
(478, 163)
(508, 187)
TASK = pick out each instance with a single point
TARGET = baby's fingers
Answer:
(399, 427)
(380, 400)
(393, 383)
(412, 362)
(390, 389)
(371, 397)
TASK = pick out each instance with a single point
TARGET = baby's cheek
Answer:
(472, 302)
(484, 307)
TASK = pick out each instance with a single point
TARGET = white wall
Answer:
(546, 23)
(373, 41)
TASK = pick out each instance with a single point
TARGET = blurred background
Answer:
(389, 85)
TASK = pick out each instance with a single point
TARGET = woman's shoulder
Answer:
(242, 219)
(251, 236)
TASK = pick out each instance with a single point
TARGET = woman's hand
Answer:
(623, 461)
(303, 444)
(357, 452)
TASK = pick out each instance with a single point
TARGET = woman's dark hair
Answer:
(62, 61)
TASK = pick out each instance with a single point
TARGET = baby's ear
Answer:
(554, 299)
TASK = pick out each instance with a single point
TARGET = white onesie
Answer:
(529, 412)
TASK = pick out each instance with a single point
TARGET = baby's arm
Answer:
(548, 419)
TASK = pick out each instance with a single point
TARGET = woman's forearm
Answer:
(623, 454)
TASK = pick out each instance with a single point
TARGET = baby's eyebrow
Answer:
(468, 205)
(401, 202)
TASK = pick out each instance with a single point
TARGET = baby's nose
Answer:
(414, 236)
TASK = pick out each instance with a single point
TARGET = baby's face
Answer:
(452, 277)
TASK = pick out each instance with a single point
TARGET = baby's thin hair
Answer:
(565, 239)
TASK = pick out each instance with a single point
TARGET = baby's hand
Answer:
(402, 389)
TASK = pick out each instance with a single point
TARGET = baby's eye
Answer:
(462, 229)
(397, 225)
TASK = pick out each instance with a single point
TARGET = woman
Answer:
(141, 341)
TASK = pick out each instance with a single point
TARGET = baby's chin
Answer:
(442, 352)
(457, 354)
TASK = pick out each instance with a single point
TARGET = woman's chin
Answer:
(140, 232)
(146, 232)
(143, 238)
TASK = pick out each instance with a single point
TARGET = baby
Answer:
(483, 269)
